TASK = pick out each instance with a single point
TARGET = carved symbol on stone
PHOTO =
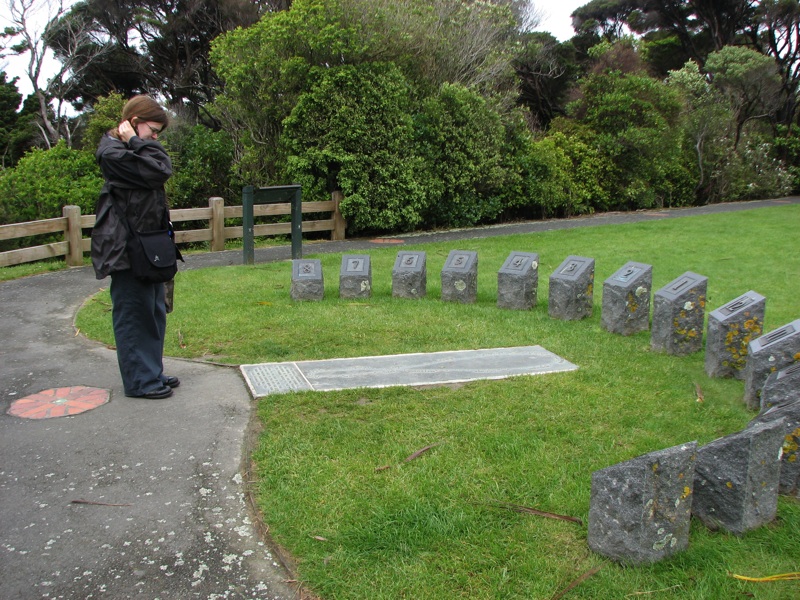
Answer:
(307, 269)
(737, 304)
(570, 268)
(681, 284)
(355, 264)
(776, 335)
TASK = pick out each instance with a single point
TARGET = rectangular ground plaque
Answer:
(679, 315)
(433, 368)
(307, 280)
(410, 275)
(460, 277)
(771, 352)
(626, 299)
(730, 329)
(355, 276)
(518, 280)
(572, 289)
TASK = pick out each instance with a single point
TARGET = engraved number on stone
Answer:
(355, 264)
(570, 268)
(777, 335)
(307, 269)
(681, 284)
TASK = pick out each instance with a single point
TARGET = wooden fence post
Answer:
(73, 235)
(339, 224)
(217, 206)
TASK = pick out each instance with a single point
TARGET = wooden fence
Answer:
(72, 224)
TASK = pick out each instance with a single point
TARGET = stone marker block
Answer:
(781, 388)
(460, 277)
(409, 275)
(518, 281)
(572, 289)
(730, 329)
(307, 280)
(355, 276)
(771, 352)
(626, 299)
(780, 400)
(679, 315)
(736, 479)
(640, 510)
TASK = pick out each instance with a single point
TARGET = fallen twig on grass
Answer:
(410, 457)
(421, 451)
(672, 587)
(699, 392)
(537, 512)
(576, 583)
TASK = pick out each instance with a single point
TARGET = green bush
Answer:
(460, 139)
(352, 131)
(202, 166)
(44, 181)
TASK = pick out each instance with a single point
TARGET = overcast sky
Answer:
(555, 17)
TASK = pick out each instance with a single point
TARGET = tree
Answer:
(9, 102)
(546, 70)
(150, 46)
(749, 81)
(606, 18)
(701, 26)
(779, 38)
(632, 121)
(28, 39)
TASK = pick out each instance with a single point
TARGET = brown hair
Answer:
(144, 108)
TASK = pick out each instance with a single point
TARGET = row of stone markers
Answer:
(640, 510)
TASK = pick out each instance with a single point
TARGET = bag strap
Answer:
(127, 223)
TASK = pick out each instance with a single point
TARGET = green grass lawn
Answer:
(433, 527)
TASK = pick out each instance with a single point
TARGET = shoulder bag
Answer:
(153, 254)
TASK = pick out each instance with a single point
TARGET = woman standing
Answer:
(135, 167)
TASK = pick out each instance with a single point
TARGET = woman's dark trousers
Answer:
(140, 323)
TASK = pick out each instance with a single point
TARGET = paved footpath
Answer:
(141, 498)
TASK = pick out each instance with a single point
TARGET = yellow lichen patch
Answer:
(687, 491)
(729, 485)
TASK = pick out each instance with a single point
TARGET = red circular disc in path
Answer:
(59, 402)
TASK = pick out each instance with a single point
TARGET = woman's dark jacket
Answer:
(134, 175)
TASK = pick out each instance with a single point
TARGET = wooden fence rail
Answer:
(72, 224)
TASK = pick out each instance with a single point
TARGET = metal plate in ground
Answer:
(274, 378)
(409, 369)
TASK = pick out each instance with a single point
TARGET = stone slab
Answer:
(640, 509)
(460, 277)
(773, 351)
(730, 329)
(571, 293)
(355, 276)
(626, 299)
(518, 281)
(679, 315)
(410, 275)
(434, 368)
(737, 478)
(307, 280)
